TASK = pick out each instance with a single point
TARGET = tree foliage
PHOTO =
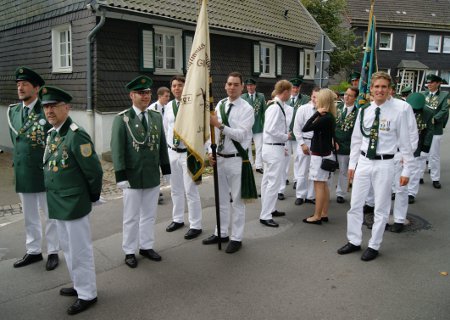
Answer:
(329, 14)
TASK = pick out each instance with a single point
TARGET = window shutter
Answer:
(279, 56)
(256, 59)
(148, 56)
(301, 63)
(187, 46)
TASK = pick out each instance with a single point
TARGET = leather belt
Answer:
(380, 156)
(307, 138)
(231, 155)
(179, 150)
(275, 144)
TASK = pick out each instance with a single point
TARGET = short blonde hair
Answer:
(282, 86)
(326, 99)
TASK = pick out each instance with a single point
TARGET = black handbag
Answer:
(328, 164)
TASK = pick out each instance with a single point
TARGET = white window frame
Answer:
(389, 45)
(445, 78)
(57, 67)
(446, 40)
(413, 47)
(439, 45)
(263, 57)
(307, 66)
(188, 39)
(178, 37)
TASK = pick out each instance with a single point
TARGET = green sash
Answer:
(248, 186)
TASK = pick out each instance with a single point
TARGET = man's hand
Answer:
(305, 149)
(211, 159)
(214, 121)
(403, 181)
(350, 175)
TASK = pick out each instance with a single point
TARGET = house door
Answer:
(409, 78)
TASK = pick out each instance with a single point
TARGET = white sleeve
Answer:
(355, 146)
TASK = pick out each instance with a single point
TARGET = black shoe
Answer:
(392, 196)
(368, 209)
(437, 184)
(281, 196)
(411, 199)
(174, 226)
(277, 213)
(397, 227)
(348, 248)
(299, 201)
(312, 201)
(233, 246)
(369, 254)
(340, 200)
(421, 181)
(324, 219)
(295, 185)
(312, 222)
(387, 227)
(131, 261)
(68, 292)
(260, 170)
(52, 261)
(28, 259)
(215, 239)
(150, 253)
(192, 233)
(269, 223)
(80, 305)
(287, 182)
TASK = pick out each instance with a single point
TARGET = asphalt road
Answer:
(292, 272)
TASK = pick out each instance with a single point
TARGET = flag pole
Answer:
(214, 156)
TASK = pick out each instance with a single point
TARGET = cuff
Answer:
(165, 169)
(94, 197)
(121, 175)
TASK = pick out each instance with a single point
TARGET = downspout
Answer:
(89, 40)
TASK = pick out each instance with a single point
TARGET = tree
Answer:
(329, 15)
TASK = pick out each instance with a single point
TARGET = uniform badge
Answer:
(86, 150)
(42, 122)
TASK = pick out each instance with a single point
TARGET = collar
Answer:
(31, 105)
(137, 110)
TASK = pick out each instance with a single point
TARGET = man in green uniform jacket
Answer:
(139, 149)
(438, 102)
(258, 102)
(73, 180)
(28, 130)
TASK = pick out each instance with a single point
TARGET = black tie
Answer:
(144, 121)
(372, 150)
(292, 101)
(229, 109)
(25, 113)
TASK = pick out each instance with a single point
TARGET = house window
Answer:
(307, 64)
(410, 42)
(267, 60)
(434, 44)
(62, 49)
(446, 45)
(445, 75)
(385, 41)
(168, 48)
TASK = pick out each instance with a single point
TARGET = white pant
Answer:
(401, 193)
(305, 188)
(182, 184)
(342, 182)
(76, 242)
(229, 171)
(31, 202)
(286, 164)
(273, 157)
(139, 215)
(258, 140)
(434, 159)
(416, 172)
(379, 174)
(294, 146)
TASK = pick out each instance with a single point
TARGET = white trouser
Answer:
(273, 158)
(229, 177)
(416, 171)
(294, 146)
(379, 174)
(401, 193)
(434, 160)
(370, 199)
(342, 182)
(286, 164)
(139, 215)
(258, 140)
(182, 184)
(31, 202)
(76, 242)
(305, 188)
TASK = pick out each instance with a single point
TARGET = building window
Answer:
(307, 64)
(434, 44)
(446, 45)
(445, 75)
(410, 42)
(385, 41)
(168, 48)
(62, 49)
(267, 60)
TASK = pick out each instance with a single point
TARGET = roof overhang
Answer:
(412, 65)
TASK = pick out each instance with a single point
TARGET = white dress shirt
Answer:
(304, 113)
(169, 123)
(276, 124)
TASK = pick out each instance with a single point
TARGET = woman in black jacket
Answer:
(323, 125)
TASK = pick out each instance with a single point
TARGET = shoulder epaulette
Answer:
(50, 130)
(74, 127)
(122, 112)
(153, 110)
(13, 105)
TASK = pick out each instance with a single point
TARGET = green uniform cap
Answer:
(444, 81)
(355, 76)
(406, 89)
(297, 82)
(416, 100)
(433, 78)
(26, 74)
(250, 81)
(50, 95)
(139, 83)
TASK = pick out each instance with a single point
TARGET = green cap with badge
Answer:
(416, 100)
(406, 90)
(297, 82)
(433, 78)
(139, 83)
(26, 74)
(355, 76)
(250, 81)
(50, 95)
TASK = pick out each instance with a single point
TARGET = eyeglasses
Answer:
(143, 93)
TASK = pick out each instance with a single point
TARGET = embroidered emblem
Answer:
(86, 150)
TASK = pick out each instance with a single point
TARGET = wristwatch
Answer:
(221, 127)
